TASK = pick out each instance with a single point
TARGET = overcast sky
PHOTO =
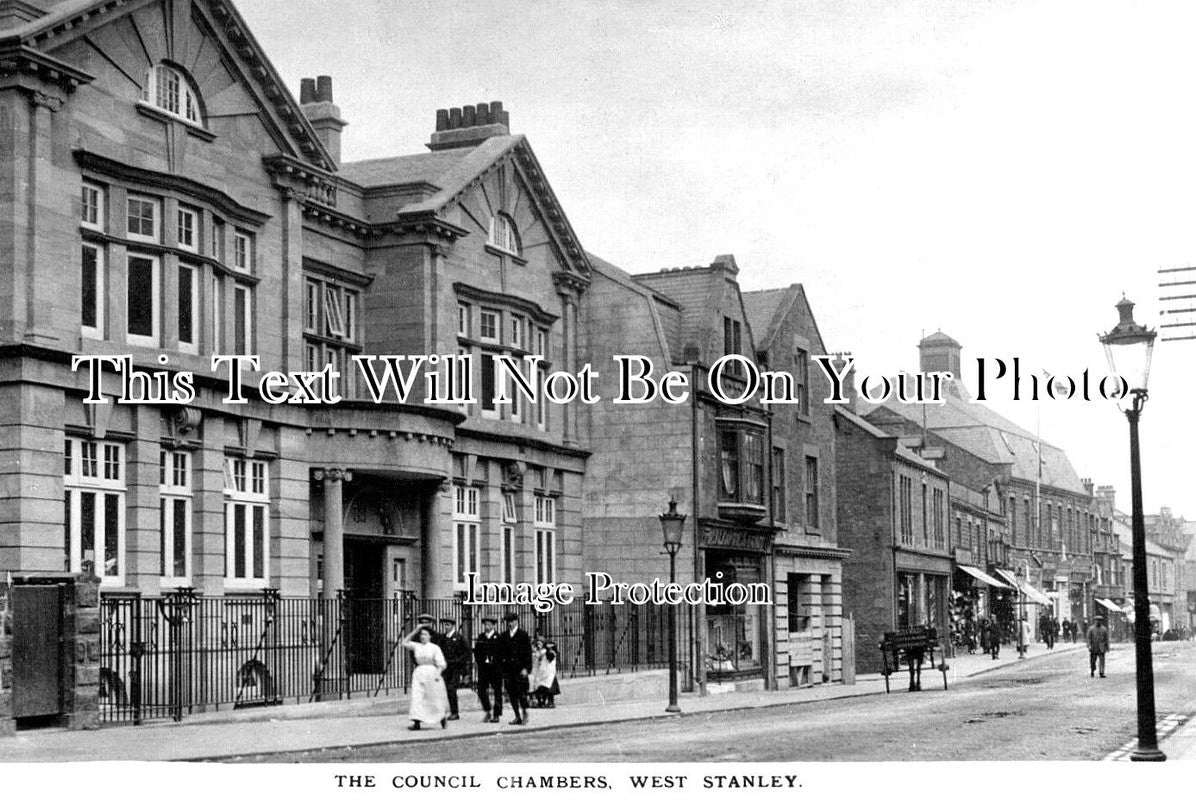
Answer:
(1000, 170)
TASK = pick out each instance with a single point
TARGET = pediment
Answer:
(206, 38)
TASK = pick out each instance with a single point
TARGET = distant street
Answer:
(1043, 709)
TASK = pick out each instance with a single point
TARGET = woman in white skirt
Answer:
(429, 700)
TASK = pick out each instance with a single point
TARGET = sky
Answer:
(1002, 171)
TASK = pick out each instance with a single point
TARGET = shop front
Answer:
(923, 592)
(734, 635)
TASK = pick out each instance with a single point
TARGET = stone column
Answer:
(334, 529)
(438, 500)
(569, 336)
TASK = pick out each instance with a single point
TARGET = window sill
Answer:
(741, 511)
(155, 113)
(498, 251)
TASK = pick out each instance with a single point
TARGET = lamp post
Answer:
(1021, 610)
(1129, 347)
(672, 524)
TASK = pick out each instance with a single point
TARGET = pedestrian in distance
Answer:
(489, 663)
(1098, 645)
(1026, 634)
(994, 639)
(515, 649)
(456, 655)
(543, 673)
(1067, 628)
(429, 700)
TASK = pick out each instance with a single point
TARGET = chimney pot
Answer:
(504, 118)
(469, 117)
(307, 90)
(496, 111)
(324, 89)
(442, 119)
(483, 114)
(454, 118)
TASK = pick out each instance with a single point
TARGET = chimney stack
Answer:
(469, 126)
(315, 99)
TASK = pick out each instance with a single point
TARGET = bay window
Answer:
(141, 300)
(741, 464)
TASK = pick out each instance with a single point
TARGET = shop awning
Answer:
(1025, 588)
(1109, 605)
(982, 576)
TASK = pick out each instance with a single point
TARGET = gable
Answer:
(206, 38)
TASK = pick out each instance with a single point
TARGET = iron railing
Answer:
(180, 654)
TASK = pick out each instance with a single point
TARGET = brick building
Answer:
(892, 508)
(1048, 511)
(807, 561)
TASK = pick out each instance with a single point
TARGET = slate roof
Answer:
(902, 451)
(697, 291)
(762, 309)
(451, 171)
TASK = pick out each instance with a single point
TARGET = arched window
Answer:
(503, 234)
(170, 90)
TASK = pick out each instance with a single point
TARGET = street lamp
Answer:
(1129, 347)
(673, 525)
(1021, 610)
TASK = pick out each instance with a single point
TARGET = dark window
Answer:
(90, 272)
(811, 492)
(778, 484)
(186, 301)
(141, 296)
(729, 462)
(801, 370)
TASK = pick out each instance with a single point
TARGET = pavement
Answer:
(358, 723)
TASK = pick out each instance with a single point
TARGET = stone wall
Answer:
(79, 653)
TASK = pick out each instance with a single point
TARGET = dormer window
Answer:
(169, 90)
(503, 234)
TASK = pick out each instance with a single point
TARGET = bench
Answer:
(914, 644)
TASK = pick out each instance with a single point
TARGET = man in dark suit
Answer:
(456, 656)
(1098, 645)
(489, 661)
(515, 649)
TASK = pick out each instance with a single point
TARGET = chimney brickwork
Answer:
(469, 126)
(315, 98)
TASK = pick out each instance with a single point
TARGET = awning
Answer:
(1109, 604)
(1025, 588)
(982, 576)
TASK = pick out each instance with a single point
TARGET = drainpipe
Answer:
(698, 616)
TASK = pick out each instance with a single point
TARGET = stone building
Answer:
(168, 198)
(892, 514)
(807, 559)
(716, 459)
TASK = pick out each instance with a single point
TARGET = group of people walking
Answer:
(510, 660)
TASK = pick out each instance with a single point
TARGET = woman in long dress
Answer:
(429, 699)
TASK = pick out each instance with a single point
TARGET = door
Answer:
(365, 581)
(36, 651)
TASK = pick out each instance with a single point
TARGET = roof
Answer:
(986, 434)
(901, 450)
(762, 307)
(938, 337)
(400, 170)
(697, 291)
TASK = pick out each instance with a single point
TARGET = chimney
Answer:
(469, 126)
(315, 98)
(1087, 482)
